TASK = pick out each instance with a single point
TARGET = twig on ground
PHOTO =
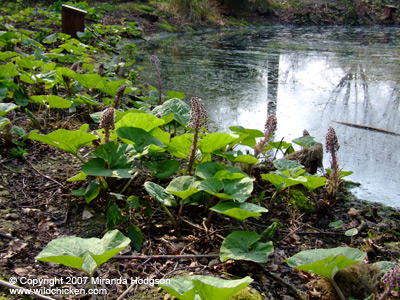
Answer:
(41, 174)
(299, 294)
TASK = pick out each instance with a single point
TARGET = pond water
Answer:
(310, 78)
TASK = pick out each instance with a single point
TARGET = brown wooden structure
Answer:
(73, 20)
(389, 11)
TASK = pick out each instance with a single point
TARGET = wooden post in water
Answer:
(73, 20)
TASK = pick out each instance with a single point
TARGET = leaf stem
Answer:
(80, 158)
(337, 289)
(129, 182)
(170, 215)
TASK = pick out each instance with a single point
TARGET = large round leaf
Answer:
(84, 254)
(179, 108)
(113, 159)
(160, 194)
(205, 287)
(239, 211)
(67, 140)
(326, 262)
(140, 137)
(139, 120)
(183, 186)
(245, 245)
(239, 189)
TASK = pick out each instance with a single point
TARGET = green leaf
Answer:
(8, 70)
(239, 211)
(160, 194)
(227, 174)
(281, 182)
(21, 96)
(239, 189)
(110, 87)
(183, 186)
(113, 159)
(3, 91)
(175, 94)
(213, 288)
(305, 141)
(88, 81)
(136, 237)
(181, 288)
(215, 141)
(7, 54)
(180, 145)
(248, 136)
(268, 233)
(205, 287)
(341, 173)
(165, 168)
(336, 224)
(314, 182)
(207, 169)
(139, 137)
(58, 102)
(92, 191)
(245, 245)
(6, 108)
(177, 107)
(67, 140)
(211, 185)
(326, 262)
(114, 216)
(286, 164)
(84, 254)
(351, 232)
(139, 120)
(78, 177)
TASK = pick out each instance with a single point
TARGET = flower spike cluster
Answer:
(198, 115)
(333, 183)
(107, 122)
(119, 95)
(269, 129)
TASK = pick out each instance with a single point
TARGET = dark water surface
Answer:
(309, 78)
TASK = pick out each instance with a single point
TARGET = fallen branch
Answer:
(28, 292)
(368, 128)
(299, 294)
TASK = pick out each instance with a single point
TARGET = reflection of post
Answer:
(273, 80)
(73, 20)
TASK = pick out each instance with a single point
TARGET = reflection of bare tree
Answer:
(273, 81)
(350, 100)
(392, 108)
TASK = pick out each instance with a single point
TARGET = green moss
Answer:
(301, 202)
(167, 27)
(247, 294)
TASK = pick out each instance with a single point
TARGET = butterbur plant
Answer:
(107, 123)
(119, 95)
(269, 129)
(333, 183)
(198, 119)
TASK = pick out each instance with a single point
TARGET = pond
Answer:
(310, 78)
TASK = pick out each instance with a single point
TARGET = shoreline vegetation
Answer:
(184, 15)
(103, 177)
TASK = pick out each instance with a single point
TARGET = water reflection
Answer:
(309, 78)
